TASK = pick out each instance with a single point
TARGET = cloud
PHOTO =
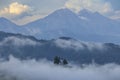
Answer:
(43, 70)
(116, 15)
(27, 19)
(15, 8)
(79, 45)
(17, 41)
(92, 5)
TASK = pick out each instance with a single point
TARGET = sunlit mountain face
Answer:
(72, 39)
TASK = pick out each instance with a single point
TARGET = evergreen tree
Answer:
(57, 60)
(65, 62)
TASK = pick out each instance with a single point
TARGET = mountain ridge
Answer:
(63, 22)
(27, 47)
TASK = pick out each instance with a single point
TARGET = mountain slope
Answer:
(99, 23)
(86, 25)
(8, 26)
(27, 47)
(62, 22)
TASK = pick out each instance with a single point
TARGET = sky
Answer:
(25, 11)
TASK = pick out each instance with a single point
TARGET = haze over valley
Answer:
(59, 40)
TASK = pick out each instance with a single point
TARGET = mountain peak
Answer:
(63, 10)
(61, 14)
(91, 15)
(85, 12)
(3, 19)
(6, 21)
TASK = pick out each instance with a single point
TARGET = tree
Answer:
(57, 60)
(65, 62)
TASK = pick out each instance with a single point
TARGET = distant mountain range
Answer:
(28, 47)
(85, 25)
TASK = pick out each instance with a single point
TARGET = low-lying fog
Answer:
(45, 70)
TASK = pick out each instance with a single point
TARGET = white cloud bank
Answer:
(92, 5)
(79, 45)
(42, 70)
(18, 41)
(14, 8)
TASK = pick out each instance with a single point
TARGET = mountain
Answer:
(99, 23)
(62, 22)
(28, 47)
(86, 25)
(8, 26)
